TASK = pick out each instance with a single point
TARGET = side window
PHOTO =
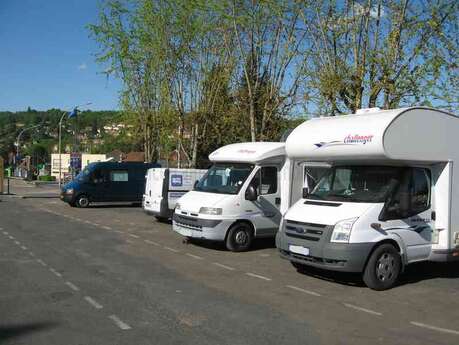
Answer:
(420, 190)
(268, 180)
(119, 176)
(97, 176)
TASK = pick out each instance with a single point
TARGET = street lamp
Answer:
(18, 143)
(60, 139)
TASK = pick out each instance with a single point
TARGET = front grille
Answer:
(187, 222)
(313, 259)
(189, 226)
(306, 231)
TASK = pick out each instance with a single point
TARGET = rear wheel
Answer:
(240, 237)
(82, 201)
(383, 268)
(161, 219)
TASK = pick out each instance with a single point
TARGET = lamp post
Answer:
(18, 142)
(60, 139)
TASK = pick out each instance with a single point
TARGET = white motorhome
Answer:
(164, 186)
(239, 197)
(389, 198)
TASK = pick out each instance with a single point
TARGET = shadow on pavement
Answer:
(128, 205)
(343, 278)
(420, 271)
(8, 332)
(258, 244)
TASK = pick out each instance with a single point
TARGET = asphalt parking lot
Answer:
(113, 275)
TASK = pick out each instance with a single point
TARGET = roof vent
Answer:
(367, 110)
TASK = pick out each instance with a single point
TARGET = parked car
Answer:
(107, 182)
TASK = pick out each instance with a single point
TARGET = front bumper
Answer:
(201, 228)
(345, 257)
(68, 198)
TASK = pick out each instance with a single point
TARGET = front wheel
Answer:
(383, 268)
(240, 237)
(82, 201)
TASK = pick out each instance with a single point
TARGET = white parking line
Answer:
(362, 309)
(172, 249)
(5, 232)
(434, 328)
(106, 227)
(121, 324)
(96, 224)
(151, 242)
(303, 290)
(118, 231)
(72, 286)
(31, 254)
(41, 262)
(223, 266)
(23, 247)
(11, 237)
(258, 276)
(55, 272)
(135, 236)
(93, 302)
(194, 256)
(17, 242)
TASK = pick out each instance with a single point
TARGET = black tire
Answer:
(161, 219)
(383, 268)
(239, 238)
(298, 266)
(82, 201)
(72, 204)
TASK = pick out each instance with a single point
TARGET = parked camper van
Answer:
(107, 182)
(238, 198)
(389, 198)
(164, 186)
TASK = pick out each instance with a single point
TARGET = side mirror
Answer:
(305, 192)
(195, 184)
(251, 193)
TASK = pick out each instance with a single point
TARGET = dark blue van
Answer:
(107, 182)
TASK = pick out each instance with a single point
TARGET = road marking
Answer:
(72, 286)
(258, 276)
(151, 242)
(118, 231)
(121, 324)
(31, 254)
(96, 224)
(434, 328)
(17, 242)
(362, 309)
(303, 290)
(41, 262)
(106, 227)
(224, 266)
(135, 236)
(5, 232)
(194, 256)
(172, 249)
(93, 302)
(55, 272)
(23, 247)
(11, 237)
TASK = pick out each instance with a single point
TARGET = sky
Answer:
(47, 59)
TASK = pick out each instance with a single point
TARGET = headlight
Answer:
(342, 231)
(69, 191)
(210, 210)
(177, 206)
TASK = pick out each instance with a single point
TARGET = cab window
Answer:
(265, 181)
(119, 176)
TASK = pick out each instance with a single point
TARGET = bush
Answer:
(47, 178)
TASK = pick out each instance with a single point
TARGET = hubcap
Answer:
(385, 267)
(84, 202)
(241, 237)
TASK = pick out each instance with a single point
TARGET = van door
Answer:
(98, 185)
(267, 182)
(415, 227)
(118, 187)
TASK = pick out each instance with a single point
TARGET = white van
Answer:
(239, 197)
(389, 198)
(164, 186)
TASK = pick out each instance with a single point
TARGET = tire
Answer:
(239, 238)
(72, 204)
(383, 268)
(298, 266)
(82, 201)
(161, 219)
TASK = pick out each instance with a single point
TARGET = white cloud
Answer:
(83, 66)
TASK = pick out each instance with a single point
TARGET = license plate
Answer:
(299, 250)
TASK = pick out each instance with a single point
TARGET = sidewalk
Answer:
(23, 189)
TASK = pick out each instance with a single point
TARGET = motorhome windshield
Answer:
(370, 184)
(224, 178)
